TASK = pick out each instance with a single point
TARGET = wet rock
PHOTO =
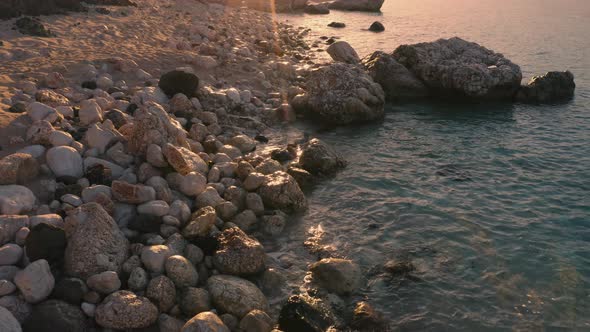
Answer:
(340, 276)
(366, 318)
(300, 314)
(342, 94)
(239, 254)
(341, 51)
(46, 241)
(552, 87)
(205, 321)
(7, 321)
(161, 292)
(395, 79)
(235, 295)
(399, 267)
(194, 300)
(65, 161)
(178, 81)
(281, 191)
(58, 315)
(319, 158)
(35, 282)
(377, 27)
(96, 244)
(15, 199)
(125, 310)
(458, 68)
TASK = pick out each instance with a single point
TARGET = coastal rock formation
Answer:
(342, 94)
(357, 5)
(458, 68)
(341, 51)
(320, 159)
(554, 86)
(395, 79)
(377, 27)
(366, 318)
(280, 191)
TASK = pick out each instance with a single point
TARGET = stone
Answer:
(193, 253)
(116, 170)
(281, 191)
(233, 95)
(245, 220)
(161, 292)
(15, 199)
(205, 322)
(302, 314)
(6, 287)
(357, 5)
(194, 300)
(226, 210)
(10, 254)
(178, 81)
(337, 25)
(17, 306)
(256, 321)
(118, 118)
(200, 223)
(89, 309)
(90, 112)
(341, 94)
(155, 156)
(340, 276)
(181, 271)
(244, 143)
(366, 318)
(18, 168)
(56, 314)
(154, 257)
(21, 236)
(552, 87)
(8, 272)
(46, 241)
(50, 218)
(232, 151)
(341, 51)
(105, 282)
(180, 103)
(101, 135)
(209, 197)
(38, 132)
(230, 321)
(192, 184)
(96, 243)
(65, 161)
(35, 281)
(8, 323)
(458, 68)
(397, 81)
(167, 323)
(235, 295)
(269, 166)
(254, 203)
(34, 150)
(39, 111)
(60, 138)
(253, 181)
(70, 290)
(377, 27)
(132, 193)
(183, 160)
(239, 254)
(317, 9)
(154, 208)
(125, 310)
(320, 159)
(138, 279)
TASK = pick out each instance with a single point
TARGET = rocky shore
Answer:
(135, 191)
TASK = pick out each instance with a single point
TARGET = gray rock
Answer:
(552, 87)
(154, 257)
(181, 271)
(256, 321)
(194, 300)
(281, 191)
(105, 282)
(10, 254)
(340, 276)
(18, 168)
(320, 159)
(8, 272)
(125, 310)
(6, 287)
(35, 282)
(65, 161)
(57, 316)
(162, 292)
(239, 254)
(154, 208)
(138, 279)
(235, 295)
(15, 199)
(132, 193)
(205, 322)
(17, 306)
(167, 323)
(341, 51)
(7, 322)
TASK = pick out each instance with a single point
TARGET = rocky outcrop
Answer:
(458, 68)
(235, 295)
(341, 51)
(125, 310)
(239, 254)
(280, 191)
(397, 81)
(320, 159)
(552, 87)
(341, 94)
(357, 5)
(96, 243)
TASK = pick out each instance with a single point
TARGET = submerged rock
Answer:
(455, 67)
(554, 86)
(340, 276)
(377, 27)
(298, 314)
(366, 318)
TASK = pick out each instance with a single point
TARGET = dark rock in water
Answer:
(337, 275)
(32, 26)
(554, 86)
(178, 81)
(284, 155)
(330, 41)
(70, 290)
(366, 318)
(298, 315)
(47, 242)
(261, 138)
(117, 118)
(317, 9)
(399, 267)
(357, 5)
(455, 68)
(337, 25)
(377, 27)
(99, 174)
(89, 85)
(146, 223)
(55, 315)
(320, 159)
(397, 81)
(19, 107)
(304, 178)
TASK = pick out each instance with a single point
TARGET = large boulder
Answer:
(205, 322)
(15, 199)
(280, 191)
(554, 86)
(319, 158)
(341, 51)
(18, 168)
(337, 275)
(235, 295)
(357, 5)
(239, 254)
(341, 94)
(124, 310)
(458, 68)
(56, 315)
(395, 79)
(96, 243)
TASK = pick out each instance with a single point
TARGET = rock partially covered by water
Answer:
(280, 191)
(342, 94)
(357, 5)
(301, 314)
(366, 318)
(455, 67)
(239, 254)
(96, 244)
(320, 159)
(125, 310)
(395, 79)
(337, 275)
(178, 81)
(377, 27)
(554, 86)
(235, 295)
(341, 51)
(205, 321)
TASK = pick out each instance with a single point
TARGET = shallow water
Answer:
(490, 201)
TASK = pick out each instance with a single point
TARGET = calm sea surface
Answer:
(490, 201)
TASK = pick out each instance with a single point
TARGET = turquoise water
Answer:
(490, 201)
